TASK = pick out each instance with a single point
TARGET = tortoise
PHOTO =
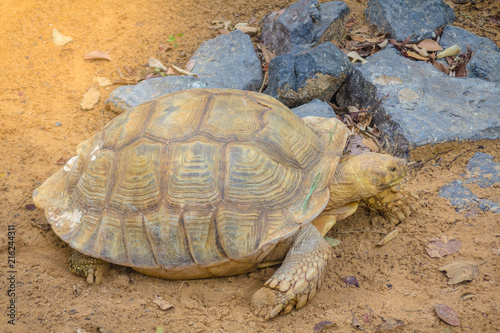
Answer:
(215, 182)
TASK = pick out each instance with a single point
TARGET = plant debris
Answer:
(461, 270)
(389, 324)
(162, 303)
(59, 38)
(387, 238)
(351, 280)
(97, 55)
(30, 206)
(90, 98)
(447, 314)
(323, 326)
(438, 248)
(61, 161)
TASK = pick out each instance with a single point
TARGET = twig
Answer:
(263, 82)
(456, 157)
(490, 31)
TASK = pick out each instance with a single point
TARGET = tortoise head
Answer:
(364, 176)
(377, 172)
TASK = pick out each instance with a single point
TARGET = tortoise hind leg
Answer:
(299, 277)
(91, 268)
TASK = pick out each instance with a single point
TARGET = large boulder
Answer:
(419, 105)
(228, 61)
(303, 25)
(403, 18)
(296, 79)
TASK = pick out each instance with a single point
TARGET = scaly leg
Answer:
(91, 268)
(299, 277)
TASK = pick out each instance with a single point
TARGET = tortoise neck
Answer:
(345, 186)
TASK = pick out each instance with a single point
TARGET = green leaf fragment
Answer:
(331, 133)
(332, 241)
(313, 188)
(159, 330)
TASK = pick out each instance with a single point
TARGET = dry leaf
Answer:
(155, 63)
(59, 38)
(461, 270)
(356, 57)
(323, 326)
(422, 52)
(387, 238)
(246, 29)
(30, 206)
(90, 98)
(220, 23)
(180, 70)
(162, 303)
(61, 161)
(268, 55)
(430, 45)
(447, 314)
(438, 248)
(97, 55)
(414, 55)
(451, 51)
(101, 81)
(356, 146)
(190, 65)
(171, 71)
(443, 68)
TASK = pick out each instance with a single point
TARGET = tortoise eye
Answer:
(392, 169)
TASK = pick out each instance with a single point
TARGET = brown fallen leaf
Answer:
(97, 55)
(430, 45)
(447, 314)
(30, 206)
(461, 270)
(417, 56)
(355, 145)
(268, 55)
(61, 161)
(323, 326)
(441, 67)
(438, 248)
(90, 98)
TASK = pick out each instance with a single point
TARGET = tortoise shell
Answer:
(197, 183)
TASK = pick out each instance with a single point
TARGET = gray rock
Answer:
(314, 108)
(228, 61)
(303, 25)
(483, 171)
(296, 79)
(403, 18)
(485, 61)
(422, 105)
(125, 97)
(464, 199)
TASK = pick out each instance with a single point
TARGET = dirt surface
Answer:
(41, 121)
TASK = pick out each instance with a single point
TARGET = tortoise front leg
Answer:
(91, 268)
(299, 277)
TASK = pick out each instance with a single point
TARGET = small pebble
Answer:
(58, 124)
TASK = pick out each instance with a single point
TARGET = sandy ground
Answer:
(41, 87)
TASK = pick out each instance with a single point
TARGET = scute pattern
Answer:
(195, 178)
